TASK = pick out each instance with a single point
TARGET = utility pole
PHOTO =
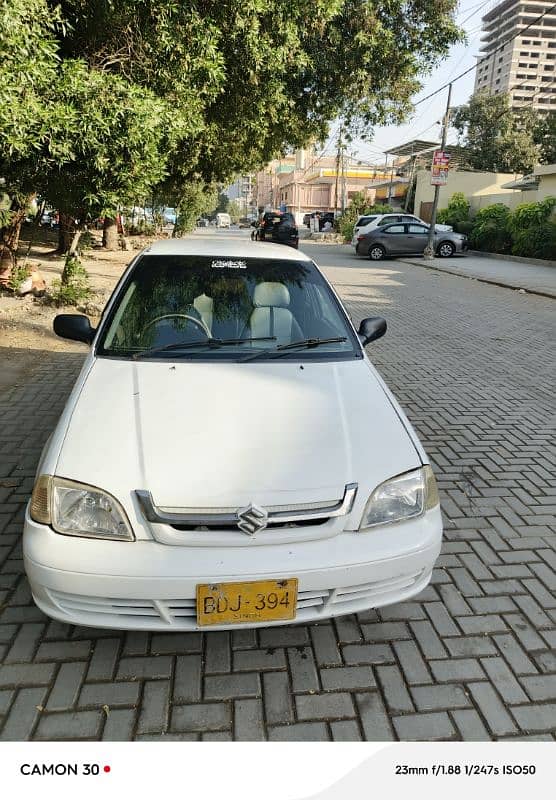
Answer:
(338, 154)
(429, 249)
(344, 193)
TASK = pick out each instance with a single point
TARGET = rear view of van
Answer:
(223, 220)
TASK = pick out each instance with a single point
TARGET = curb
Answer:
(482, 280)
(537, 262)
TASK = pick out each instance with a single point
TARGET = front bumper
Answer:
(145, 585)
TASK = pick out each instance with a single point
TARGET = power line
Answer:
(490, 55)
(477, 8)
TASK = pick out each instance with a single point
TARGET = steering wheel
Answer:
(199, 322)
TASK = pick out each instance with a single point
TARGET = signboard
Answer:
(440, 167)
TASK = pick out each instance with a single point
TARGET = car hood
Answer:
(225, 434)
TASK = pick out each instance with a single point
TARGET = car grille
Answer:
(182, 613)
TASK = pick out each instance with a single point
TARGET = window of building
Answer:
(549, 67)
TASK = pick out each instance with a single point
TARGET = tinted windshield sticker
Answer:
(228, 264)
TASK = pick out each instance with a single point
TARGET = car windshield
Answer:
(212, 308)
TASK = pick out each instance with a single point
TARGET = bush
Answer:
(465, 227)
(74, 286)
(457, 211)
(18, 276)
(538, 241)
(491, 229)
(142, 228)
(534, 235)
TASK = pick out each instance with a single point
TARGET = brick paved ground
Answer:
(473, 657)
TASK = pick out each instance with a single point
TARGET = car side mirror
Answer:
(74, 326)
(371, 329)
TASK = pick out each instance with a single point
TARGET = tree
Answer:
(545, 137)
(251, 79)
(223, 204)
(235, 211)
(195, 199)
(495, 137)
(141, 97)
(27, 67)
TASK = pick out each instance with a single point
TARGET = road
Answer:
(473, 657)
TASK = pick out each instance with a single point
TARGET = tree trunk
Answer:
(9, 242)
(110, 233)
(66, 231)
(71, 255)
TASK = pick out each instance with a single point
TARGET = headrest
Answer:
(203, 303)
(271, 294)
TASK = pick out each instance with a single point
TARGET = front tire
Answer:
(446, 249)
(376, 252)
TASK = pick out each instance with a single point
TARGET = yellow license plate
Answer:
(251, 601)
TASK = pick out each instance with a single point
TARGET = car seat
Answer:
(204, 306)
(271, 315)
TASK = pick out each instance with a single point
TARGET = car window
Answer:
(364, 221)
(394, 229)
(176, 299)
(417, 229)
(410, 218)
(390, 218)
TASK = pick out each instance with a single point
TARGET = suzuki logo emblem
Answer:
(252, 519)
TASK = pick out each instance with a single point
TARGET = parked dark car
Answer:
(408, 239)
(278, 227)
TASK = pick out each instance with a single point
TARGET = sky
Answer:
(423, 123)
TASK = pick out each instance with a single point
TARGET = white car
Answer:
(368, 222)
(229, 456)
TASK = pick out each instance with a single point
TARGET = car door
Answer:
(417, 237)
(393, 238)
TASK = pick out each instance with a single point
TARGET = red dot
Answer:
(107, 768)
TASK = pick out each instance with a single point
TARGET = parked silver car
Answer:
(408, 239)
(369, 222)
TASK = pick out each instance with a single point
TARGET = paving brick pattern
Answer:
(473, 657)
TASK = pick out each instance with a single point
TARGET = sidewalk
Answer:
(538, 279)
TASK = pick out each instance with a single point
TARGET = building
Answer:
(526, 66)
(480, 189)
(241, 192)
(313, 181)
(534, 188)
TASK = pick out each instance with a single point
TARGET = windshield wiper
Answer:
(209, 342)
(280, 350)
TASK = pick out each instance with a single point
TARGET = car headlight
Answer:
(76, 509)
(400, 498)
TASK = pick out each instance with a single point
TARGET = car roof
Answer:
(242, 248)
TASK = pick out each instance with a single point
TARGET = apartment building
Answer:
(526, 66)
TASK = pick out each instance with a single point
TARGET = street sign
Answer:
(440, 168)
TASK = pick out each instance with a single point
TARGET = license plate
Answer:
(251, 601)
